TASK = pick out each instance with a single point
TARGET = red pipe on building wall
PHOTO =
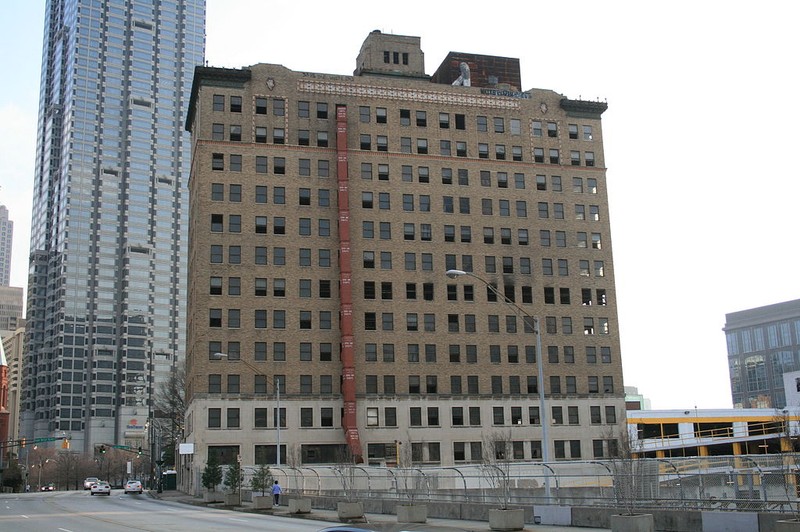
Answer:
(349, 421)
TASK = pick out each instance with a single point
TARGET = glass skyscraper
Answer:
(106, 294)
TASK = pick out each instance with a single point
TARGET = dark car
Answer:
(346, 528)
(48, 487)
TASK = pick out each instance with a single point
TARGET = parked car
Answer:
(133, 486)
(87, 483)
(346, 528)
(101, 487)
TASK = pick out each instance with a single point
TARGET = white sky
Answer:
(698, 139)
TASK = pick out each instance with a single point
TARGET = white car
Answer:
(133, 486)
(101, 487)
(87, 483)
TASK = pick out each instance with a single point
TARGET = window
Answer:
(302, 109)
(214, 418)
(236, 104)
(215, 383)
(217, 131)
(217, 161)
(218, 102)
(422, 119)
(322, 110)
(380, 115)
(233, 384)
(557, 415)
(499, 124)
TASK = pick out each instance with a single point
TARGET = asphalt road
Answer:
(75, 511)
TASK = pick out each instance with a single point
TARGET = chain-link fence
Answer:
(747, 482)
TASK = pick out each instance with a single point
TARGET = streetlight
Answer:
(42, 463)
(277, 385)
(543, 416)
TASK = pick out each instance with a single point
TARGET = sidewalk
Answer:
(386, 522)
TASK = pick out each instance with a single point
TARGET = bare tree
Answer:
(411, 482)
(345, 470)
(169, 403)
(633, 474)
(497, 449)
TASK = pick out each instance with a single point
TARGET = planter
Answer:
(506, 519)
(299, 506)
(632, 523)
(787, 525)
(412, 513)
(349, 510)
(231, 499)
(212, 496)
(262, 502)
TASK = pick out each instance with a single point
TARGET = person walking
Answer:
(276, 493)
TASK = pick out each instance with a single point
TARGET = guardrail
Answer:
(765, 483)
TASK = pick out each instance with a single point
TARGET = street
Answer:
(75, 511)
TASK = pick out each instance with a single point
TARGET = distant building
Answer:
(763, 344)
(634, 400)
(6, 241)
(12, 345)
(713, 432)
(11, 306)
(791, 387)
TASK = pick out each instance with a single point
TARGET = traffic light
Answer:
(22, 442)
(102, 449)
(140, 450)
(65, 444)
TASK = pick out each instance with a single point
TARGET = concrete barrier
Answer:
(299, 506)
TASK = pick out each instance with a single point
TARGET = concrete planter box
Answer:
(212, 496)
(262, 502)
(412, 513)
(231, 499)
(299, 506)
(506, 519)
(787, 525)
(633, 523)
(349, 510)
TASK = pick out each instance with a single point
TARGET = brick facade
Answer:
(418, 205)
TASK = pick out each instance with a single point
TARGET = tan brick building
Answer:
(324, 212)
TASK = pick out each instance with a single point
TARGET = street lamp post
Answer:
(277, 385)
(543, 415)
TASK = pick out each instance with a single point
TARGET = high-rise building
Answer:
(325, 212)
(6, 241)
(763, 344)
(106, 287)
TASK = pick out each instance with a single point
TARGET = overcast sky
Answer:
(699, 141)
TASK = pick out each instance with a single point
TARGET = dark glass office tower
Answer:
(106, 293)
